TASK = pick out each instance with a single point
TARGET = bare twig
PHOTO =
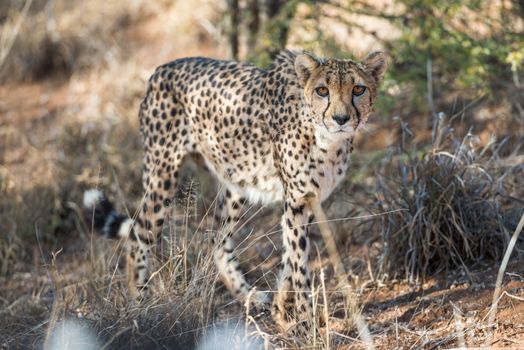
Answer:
(8, 37)
(339, 270)
(502, 269)
(327, 235)
(326, 305)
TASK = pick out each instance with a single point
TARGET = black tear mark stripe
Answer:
(356, 110)
(325, 110)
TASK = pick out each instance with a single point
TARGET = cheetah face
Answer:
(340, 93)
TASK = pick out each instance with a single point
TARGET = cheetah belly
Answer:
(268, 188)
(268, 192)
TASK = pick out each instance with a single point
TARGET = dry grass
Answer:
(188, 301)
(184, 305)
(453, 200)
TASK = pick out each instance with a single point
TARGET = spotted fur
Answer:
(268, 135)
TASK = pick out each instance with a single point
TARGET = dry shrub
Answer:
(451, 199)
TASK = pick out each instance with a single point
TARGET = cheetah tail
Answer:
(103, 216)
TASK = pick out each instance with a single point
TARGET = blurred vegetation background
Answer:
(473, 44)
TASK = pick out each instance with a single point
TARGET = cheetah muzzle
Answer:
(280, 134)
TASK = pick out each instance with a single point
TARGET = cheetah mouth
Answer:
(347, 129)
(350, 128)
(337, 131)
(341, 131)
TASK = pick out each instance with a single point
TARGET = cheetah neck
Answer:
(331, 158)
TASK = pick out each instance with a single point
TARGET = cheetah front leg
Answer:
(225, 259)
(295, 281)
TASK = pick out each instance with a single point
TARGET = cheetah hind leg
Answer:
(159, 181)
(230, 208)
(137, 270)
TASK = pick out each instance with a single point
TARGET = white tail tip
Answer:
(92, 197)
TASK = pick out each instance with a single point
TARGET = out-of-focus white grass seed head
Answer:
(72, 335)
(230, 337)
(92, 197)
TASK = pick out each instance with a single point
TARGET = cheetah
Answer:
(281, 134)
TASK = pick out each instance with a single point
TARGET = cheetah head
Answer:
(340, 93)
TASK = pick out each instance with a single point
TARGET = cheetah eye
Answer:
(358, 90)
(322, 91)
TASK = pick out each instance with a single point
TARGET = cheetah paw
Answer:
(257, 302)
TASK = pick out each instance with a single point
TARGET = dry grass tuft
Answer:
(453, 201)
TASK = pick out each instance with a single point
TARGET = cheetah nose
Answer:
(341, 119)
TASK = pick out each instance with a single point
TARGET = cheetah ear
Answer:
(305, 64)
(376, 63)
